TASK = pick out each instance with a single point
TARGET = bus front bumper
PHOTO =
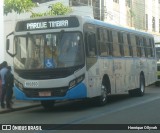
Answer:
(77, 92)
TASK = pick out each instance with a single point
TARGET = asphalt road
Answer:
(121, 109)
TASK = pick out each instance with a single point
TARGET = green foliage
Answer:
(60, 9)
(55, 9)
(21, 6)
(18, 6)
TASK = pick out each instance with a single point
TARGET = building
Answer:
(138, 14)
(2, 53)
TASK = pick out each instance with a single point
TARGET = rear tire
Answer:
(139, 91)
(48, 105)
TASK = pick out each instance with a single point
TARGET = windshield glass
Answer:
(158, 53)
(44, 51)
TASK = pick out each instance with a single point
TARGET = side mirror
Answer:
(7, 44)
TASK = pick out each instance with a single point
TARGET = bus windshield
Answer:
(45, 51)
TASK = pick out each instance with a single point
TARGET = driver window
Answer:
(91, 45)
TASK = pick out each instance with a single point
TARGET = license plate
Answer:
(45, 94)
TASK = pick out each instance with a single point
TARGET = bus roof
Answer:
(90, 20)
(112, 26)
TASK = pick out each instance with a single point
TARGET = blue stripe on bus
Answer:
(77, 92)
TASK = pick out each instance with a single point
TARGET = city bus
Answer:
(76, 57)
(157, 46)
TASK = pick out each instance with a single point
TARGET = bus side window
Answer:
(133, 45)
(102, 41)
(126, 46)
(90, 44)
(153, 48)
(148, 48)
(151, 45)
(110, 42)
(116, 47)
(145, 47)
(142, 45)
(138, 43)
(121, 43)
(129, 45)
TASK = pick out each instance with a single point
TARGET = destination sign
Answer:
(47, 23)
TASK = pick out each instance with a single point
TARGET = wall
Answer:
(2, 52)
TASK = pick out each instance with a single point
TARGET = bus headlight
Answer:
(72, 83)
(18, 84)
(76, 81)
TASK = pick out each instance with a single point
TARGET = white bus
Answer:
(75, 57)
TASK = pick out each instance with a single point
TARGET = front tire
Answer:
(102, 99)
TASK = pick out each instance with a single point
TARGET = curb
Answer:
(19, 108)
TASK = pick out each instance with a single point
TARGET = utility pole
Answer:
(2, 50)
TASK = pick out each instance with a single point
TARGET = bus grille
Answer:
(56, 92)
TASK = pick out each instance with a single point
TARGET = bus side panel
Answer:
(153, 70)
(129, 73)
(119, 72)
(94, 81)
(107, 68)
(150, 73)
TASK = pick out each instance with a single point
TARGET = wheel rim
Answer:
(104, 93)
(142, 86)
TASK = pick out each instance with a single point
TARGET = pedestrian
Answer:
(3, 71)
(9, 83)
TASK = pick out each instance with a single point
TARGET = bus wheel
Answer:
(48, 105)
(140, 91)
(102, 100)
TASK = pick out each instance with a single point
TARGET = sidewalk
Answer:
(20, 105)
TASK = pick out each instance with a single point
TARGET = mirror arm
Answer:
(9, 34)
(12, 55)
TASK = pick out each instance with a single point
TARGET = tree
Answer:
(21, 6)
(55, 9)
(18, 6)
